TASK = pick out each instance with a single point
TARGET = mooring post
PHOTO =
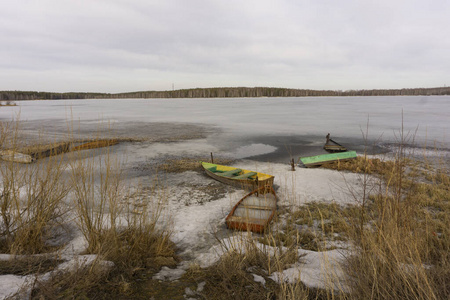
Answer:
(292, 165)
(212, 159)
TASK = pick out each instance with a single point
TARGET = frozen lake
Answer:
(262, 125)
(266, 131)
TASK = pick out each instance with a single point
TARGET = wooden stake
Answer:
(212, 159)
(292, 165)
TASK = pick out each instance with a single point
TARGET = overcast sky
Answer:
(135, 45)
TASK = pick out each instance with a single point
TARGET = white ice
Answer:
(195, 225)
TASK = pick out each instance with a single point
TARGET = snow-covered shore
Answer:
(197, 219)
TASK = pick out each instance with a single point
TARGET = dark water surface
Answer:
(272, 129)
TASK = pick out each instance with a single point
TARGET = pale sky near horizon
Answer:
(137, 45)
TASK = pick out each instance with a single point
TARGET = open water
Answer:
(267, 128)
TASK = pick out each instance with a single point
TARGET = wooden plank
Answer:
(262, 180)
(336, 143)
(258, 207)
(229, 173)
(247, 220)
(253, 213)
(246, 175)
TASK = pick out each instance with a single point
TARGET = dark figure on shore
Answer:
(328, 138)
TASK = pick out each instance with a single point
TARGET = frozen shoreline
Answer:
(198, 217)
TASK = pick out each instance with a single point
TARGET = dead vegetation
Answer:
(31, 209)
(313, 226)
(362, 164)
(30, 201)
(402, 251)
(244, 271)
(399, 234)
(26, 265)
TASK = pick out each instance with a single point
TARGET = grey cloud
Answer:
(320, 44)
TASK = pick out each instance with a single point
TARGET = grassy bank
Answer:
(394, 235)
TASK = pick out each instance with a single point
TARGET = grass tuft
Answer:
(26, 265)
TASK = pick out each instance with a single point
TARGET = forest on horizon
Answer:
(222, 92)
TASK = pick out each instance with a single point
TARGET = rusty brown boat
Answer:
(254, 212)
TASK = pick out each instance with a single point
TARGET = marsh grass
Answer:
(244, 260)
(398, 232)
(107, 216)
(30, 200)
(401, 246)
(230, 278)
(81, 282)
(312, 226)
(245, 276)
(26, 265)
(34, 202)
(362, 164)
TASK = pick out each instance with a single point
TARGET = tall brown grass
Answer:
(399, 230)
(90, 185)
(30, 198)
(402, 246)
(106, 213)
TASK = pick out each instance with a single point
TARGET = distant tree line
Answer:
(224, 92)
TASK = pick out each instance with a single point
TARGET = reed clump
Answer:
(402, 241)
(30, 200)
(362, 164)
(243, 271)
(38, 199)
(398, 232)
(106, 212)
(26, 265)
(84, 281)
(312, 226)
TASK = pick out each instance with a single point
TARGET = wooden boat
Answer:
(332, 146)
(238, 177)
(318, 160)
(14, 156)
(253, 212)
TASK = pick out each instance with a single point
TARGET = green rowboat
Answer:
(313, 161)
(238, 177)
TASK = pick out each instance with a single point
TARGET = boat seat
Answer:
(245, 176)
(230, 173)
(258, 207)
(213, 169)
(247, 220)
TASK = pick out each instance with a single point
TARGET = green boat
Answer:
(314, 161)
(238, 177)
